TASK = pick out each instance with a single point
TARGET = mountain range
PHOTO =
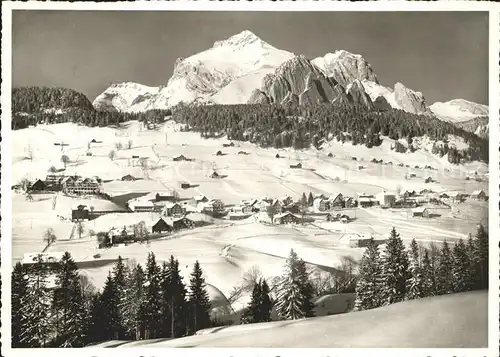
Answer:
(246, 69)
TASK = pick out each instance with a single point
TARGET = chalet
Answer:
(180, 158)
(456, 196)
(286, 218)
(142, 206)
(215, 175)
(321, 205)
(386, 199)
(277, 205)
(297, 166)
(444, 195)
(277, 156)
(38, 185)
(427, 179)
(118, 236)
(421, 212)
(231, 144)
(201, 199)
(49, 259)
(173, 209)
(350, 202)
(218, 153)
(182, 223)
(287, 200)
(294, 208)
(478, 195)
(161, 198)
(93, 141)
(185, 185)
(366, 200)
(135, 156)
(213, 207)
(161, 226)
(128, 178)
(88, 154)
(360, 167)
(336, 201)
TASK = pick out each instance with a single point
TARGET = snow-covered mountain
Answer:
(459, 110)
(246, 69)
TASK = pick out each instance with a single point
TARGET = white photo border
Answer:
(494, 226)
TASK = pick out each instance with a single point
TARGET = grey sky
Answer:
(442, 54)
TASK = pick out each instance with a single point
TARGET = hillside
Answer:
(449, 321)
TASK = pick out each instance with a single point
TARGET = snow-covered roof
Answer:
(284, 214)
(366, 199)
(52, 257)
(334, 196)
(477, 192)
(170, 204)
(419, 209)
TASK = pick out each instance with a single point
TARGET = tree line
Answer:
(35, 105)
(136, 303)
(396, 274)
(300, 127)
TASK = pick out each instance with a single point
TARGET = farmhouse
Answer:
(51, 258)
(276, 204)
(362, 240)
(121, 235)
(180, 158)
(213, 207)
(421, 212)
(478, 195)
(386, 199)
(366, 200)
(185, 185)
(215, 175)
(336, 201)
(219, 153)
(142, 206)
(128, 178)
(456, 196)
(182, 223)
(173, 209)
(200, 199)
(427, 179)
(161, 226)
(169, 197)
(80, 214)
(297, 166)
(321, 205)
(286, 218)
(350, 202)
(38, 185)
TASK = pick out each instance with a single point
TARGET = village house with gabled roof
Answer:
(286, 218)
(79, 186)
(128, 177)
(173, 209)
(336, 200)
(321, 204)
(479, 195)
(38, 185)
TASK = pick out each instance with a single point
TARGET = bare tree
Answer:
(80, 229)
(249, 279)
(92, 208)
(112, 155)
(118, 146)
(129, 144)
(24, 184)
(141, 232)
(49, 236)
(29, 152)
(65, 160)
(143, 162)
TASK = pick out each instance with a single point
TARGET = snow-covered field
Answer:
(228, 249)
(449, 321)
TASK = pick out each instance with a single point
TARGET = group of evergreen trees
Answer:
(299, 127)
(135, 303)
(34, 105)
(396, 274)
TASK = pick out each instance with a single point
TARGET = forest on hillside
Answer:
(299, 127)
(36, 105)
(264, 124)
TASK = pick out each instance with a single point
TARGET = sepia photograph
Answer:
(248, 179)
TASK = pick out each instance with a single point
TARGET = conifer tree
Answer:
(107, 314)
(461, 268)
(252, 312)
(68, 304)
(444, 271)
(198, 302)
(415, 283)
(481, 253)
(134, 320)
(265, 303)
(37, 307)
(152, 298)
(310, 200)
(303, 200)
(119, 280)
(174, 296)
(290, 295)
(428, 276)
(306, 290)
(368, 287)
(19, 293)
(394, 270)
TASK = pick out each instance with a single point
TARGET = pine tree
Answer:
(19, 293)
(119, 280)
(306, 290)
(310, 200)
(368, 287)
(415, 283)
(290, 295)
(265, 303)
(37, 307)
(481, 252)
(134, 320)
(108, 319)
(461, 268)
(428, 275)
(252, 312)
(152, 298)
(303, 200)
(394, 270)
(174, 297)
(68, 304)
(444, 271)
(198, 303)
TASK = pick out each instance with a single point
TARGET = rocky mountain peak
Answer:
(409, 100)
(239, 40)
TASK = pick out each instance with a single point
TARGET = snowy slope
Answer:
(458, 110)
(458, 320)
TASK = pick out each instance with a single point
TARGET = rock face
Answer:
(409, 100)
(299, 80)
(345, 67)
